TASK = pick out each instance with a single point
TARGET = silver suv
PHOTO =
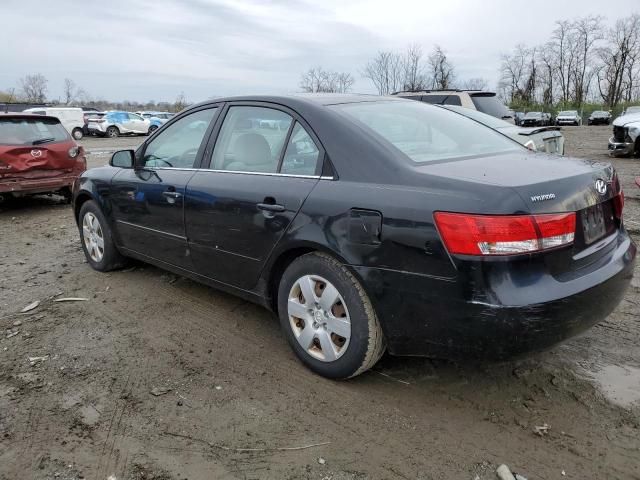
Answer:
(485, 102)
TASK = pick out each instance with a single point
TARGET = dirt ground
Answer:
(234, 403)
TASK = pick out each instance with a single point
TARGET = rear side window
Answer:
(31, 131)
(301, 155)
(251, 140)
(491, 105)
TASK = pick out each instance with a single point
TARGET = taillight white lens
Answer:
(73, 152)
(467, 234)
(531, 145)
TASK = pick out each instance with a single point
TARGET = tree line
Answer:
(583, 61)
(33, 88)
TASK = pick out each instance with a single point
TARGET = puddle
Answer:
(620, 384)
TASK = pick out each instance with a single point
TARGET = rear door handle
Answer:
(271, 207)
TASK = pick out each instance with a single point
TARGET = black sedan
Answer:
(367, 223)
(599, 117)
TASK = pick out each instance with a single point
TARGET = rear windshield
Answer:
(31, 131)
(490, 105)
(425, 133)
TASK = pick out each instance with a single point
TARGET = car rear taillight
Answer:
(618, 200)
(468, 234)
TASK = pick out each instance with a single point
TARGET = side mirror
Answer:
(123, 159)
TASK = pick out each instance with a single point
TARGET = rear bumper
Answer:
(620, 148)
(495, 312)
(36, 185)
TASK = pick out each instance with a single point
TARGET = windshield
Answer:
(425, 133)
(533, 114)
(489, 104)
(568, 113)
(31, 131)
(488, 120)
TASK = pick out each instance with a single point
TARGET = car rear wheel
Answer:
(152, 129)
(113, 132)
(77, 134)
(97, 242)
(328, 318)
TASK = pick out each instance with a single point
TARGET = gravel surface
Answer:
(154, 376)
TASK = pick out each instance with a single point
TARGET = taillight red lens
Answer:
(618, 200)
(467, 234)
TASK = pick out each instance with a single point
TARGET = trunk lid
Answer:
(546, 183)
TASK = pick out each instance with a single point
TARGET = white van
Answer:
(71, 117)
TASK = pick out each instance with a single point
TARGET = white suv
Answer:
(485, 102)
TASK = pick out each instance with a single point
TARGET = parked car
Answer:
(569, 117)
(371, 223)
(71, 118)
(156, 119)
(534, 119)
(486, 102)
(116, 123)
(90, 114)
(538, 139)
(517, 118)
(37, 155)
(599, 117)
(626, 136)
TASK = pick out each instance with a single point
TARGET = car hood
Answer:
(567, 184)
(625, 119)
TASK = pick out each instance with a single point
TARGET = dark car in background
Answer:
(599, 117)
(37, 155)
(367, 223)
(533, 119)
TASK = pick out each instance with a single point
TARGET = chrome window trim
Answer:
(236, 172)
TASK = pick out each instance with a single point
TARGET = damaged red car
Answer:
(37, 155)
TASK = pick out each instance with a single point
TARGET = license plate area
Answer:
(593, 223)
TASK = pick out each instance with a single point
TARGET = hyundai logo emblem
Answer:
(36, 153)
(601, 186)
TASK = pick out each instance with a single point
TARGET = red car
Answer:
(37, 155)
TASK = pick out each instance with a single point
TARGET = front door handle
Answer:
(270, 207)
(170, 194)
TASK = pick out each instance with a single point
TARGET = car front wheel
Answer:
(328, 318)
(97, 242)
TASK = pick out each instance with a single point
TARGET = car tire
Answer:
(96, 239)
(112, 132)
(359, 343)
(152, 129)
(77, 134)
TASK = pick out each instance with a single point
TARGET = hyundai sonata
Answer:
(368, 223)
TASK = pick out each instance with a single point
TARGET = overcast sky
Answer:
(154, 49)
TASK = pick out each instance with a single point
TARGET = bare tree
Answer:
(34, 88)
(587, 31)
(385, 71)
(475, 83)
(441, 70)
(414, 77)
(319, 80)
(69, 90)
(514, 71)
(618, 59)
(180, 103)
(548, 71)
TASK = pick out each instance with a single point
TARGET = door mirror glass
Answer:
(123, 159)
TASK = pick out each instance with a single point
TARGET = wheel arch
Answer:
(81, 198)
(285, 257)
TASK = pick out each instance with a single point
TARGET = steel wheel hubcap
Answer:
(93, 237)
(319, 318)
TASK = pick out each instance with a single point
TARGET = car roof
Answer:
(26, 115)
(300, 99)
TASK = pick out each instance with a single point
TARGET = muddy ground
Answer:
(232, 396)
